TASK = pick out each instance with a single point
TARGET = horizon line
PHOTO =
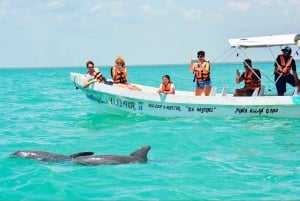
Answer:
(135, 65)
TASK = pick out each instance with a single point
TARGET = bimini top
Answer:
(266, 41)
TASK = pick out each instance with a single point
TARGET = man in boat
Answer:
(201, 70)
(94, 75)
(282, 71)
(251, 77)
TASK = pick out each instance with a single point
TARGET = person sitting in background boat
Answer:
(283, 65)
(119, 74)
(201, 70)
(94, 75)
(251, 77)
(166, 86)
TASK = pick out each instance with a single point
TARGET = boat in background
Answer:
(119, 101)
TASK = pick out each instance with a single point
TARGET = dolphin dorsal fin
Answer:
(141, 152)
(85, 153)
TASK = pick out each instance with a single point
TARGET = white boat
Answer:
(119, 101)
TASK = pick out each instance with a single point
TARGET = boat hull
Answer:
(119, 101)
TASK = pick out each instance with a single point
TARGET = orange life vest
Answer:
(200, 75)
(286, 65)
(167, 87)
(120, 77)
(248, 77)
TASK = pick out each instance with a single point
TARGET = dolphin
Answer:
(138, 156)
(48, 156)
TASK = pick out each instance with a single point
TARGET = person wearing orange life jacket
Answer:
(166, 86)
(119, 75)
(119, 71)
(282, 71)
(201, 70)
(251, 77)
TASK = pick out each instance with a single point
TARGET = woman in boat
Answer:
(94, 75)
(251, 77)
(201, 70)
(166, 86)
(119, 71)
(282, 71)
(119, 74)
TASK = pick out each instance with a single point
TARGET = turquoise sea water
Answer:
(191, 158)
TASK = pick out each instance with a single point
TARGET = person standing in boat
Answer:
(282, 71)
(119, 74)
(251, 77)
(166, 86)
(201, 70)
(94, 75)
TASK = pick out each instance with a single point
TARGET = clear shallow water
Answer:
(192, 158)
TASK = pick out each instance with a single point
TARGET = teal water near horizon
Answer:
(216, 158)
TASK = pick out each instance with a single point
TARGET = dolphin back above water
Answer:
(48, 156)
(138, 156)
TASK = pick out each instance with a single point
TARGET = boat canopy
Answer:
(266, 41)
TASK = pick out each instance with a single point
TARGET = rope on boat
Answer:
(224, 56)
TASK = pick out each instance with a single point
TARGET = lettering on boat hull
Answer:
(122, 103)
(200, 109)
(259, 110)
(164, 107)
(176, 109)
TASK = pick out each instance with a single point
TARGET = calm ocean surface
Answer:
(191, 158)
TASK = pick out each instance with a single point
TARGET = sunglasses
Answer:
(90, 66)
(119, 63)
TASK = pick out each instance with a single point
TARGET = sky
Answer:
(54, 33)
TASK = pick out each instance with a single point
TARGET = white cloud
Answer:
(97, 7)
(146, 8)
(153, 13)
(112, 8)
(117, 4)
(239, 6)
(188, 13)
(54, 4)
(111, 5)
(3, 8)
(263, 2)
(192, 13)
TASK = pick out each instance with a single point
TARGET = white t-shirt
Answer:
(90, 77)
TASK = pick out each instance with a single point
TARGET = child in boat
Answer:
(166, 86)
(119, 75)
(94, 75)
